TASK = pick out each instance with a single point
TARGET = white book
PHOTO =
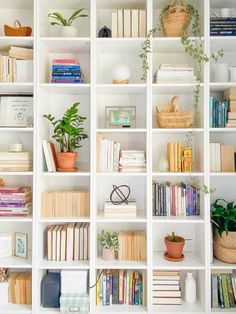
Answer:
(85, 248)
(114, 24)
(51, 158)
(134, 23)
(127, 23)
(54, 243)
(76, 242)
(181, 67)
(24, 71)
(142, 19)
(58, 251)
(70, 242)
(212, 157)
(81, 241)
(46, 155)
(217, 157)
(120, 23)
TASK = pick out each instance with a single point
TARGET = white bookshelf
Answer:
(97, 57)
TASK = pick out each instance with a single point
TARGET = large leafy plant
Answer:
(58, 19)
(68, 130)
(223, 216)
(109, 240)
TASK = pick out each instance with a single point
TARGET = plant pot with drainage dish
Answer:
(68, 132)
(110, 244)
(174, 247)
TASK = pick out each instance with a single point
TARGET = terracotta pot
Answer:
(174, 249)
(108, 254)
(66, 160)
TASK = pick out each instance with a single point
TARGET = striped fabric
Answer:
(74, 303)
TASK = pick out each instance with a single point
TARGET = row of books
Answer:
(175, 73)
(223, 26)
(166, 287)
(230, 96)
(132, 246)
(16, 161)
(19, 288)
(120, 287)
(15, 201)
(223, 289)
(65, 203)
(175, 199)
(179, 157)
(68, 242)
(222, 158)
(66, 71)
(50, 156)
(129, 23)
(218, 113)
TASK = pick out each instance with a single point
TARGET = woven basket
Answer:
(17, 30)
(225, 247)
(174, 19)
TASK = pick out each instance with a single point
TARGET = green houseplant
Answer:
(110, 244)
(67, 29)
(223, 217)
(69, 133)
(174, 246)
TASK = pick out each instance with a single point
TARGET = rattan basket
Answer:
(225, 247)
(174, 19)
(17, 30)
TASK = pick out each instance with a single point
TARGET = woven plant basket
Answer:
(225, 247)
(17, 30)
(174, 19)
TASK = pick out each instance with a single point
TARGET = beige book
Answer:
(76, 241)
(54, 243)
(49, 242)
(120, 23)
(69, 204)
(179, 157)
(70, 242)
(85, 248)
(58, 252)
(29, 288)
(134, 23)
(170, 154)
(22, 282)
(63, 242)
(175, 157)
(114, 24)
(127, 23)
(17, 288)
(227, 158)
(142, 23)
(74, 204)
(81, 241)
(79, 204)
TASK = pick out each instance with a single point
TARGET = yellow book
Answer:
(187, 159)
(179, 157)
(98, 290)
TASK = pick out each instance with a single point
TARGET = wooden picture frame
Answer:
(21, 244)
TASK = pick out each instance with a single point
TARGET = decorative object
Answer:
(120, 117)
(110, 244)
(6, 244)
(163, 164)
(168, 116)
(220, 72)
(68, 132)
(50, 290)
(121, 74)
(190, 288)
(76, 303)
(104, 32)
(174, 245)
(17, 30)
(16, 147)
(67, 29)
(232, 74)
(21, 244)
(223, 217)
(122, 198)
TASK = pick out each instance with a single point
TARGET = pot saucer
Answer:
(67, 169)
(171, 259)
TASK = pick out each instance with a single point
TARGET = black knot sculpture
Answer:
(123, 193)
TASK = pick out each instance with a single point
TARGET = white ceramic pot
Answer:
(190, 288)
(163, 164)
(68, 31)
(220, 72)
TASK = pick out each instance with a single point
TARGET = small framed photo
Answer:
(21, 245)
(120, 117)
(6, 244)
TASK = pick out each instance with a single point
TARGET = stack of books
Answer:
(179, 158)
(223, 289)
(166, 287)
(132, 161)
(68, 242)
(222, 158)
(129, 23)
(120, 286)
(218, 113)
(15, 201)
(175, 73)
(108, 154)
(118, 211)
(66, 71)
(20, 288)
(21, 53)
(132, 246)
(65, 203)
(175, 199)
(223, 26)
(20, 161)
(230, 96)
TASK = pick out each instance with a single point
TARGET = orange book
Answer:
(187, 159)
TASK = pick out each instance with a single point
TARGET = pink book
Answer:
(65, 61)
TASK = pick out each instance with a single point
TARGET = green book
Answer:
(220, 292)
(230, 291)
(225, 291)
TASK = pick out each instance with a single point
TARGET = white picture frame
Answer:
(21, 244)
(6, 244)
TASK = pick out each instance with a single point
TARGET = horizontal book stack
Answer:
(20, 161)
(68, 242)
(223, 26)
(223, 289)
(21, 53)
(129, 23)
(166, 287)
(118, 211)
(65, 203)
(175, 199)
(222, 158)
(230, 96)
(175, 73)
(218, 113)
(120, 287)
(20, 288)
(66, 71)
(132, 161)
(15, 201)
(132, 246)
(179, 158)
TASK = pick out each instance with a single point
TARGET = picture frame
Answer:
(21, 245)
(6, 244)
(120, 116)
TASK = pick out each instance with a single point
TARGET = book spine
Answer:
(220, 292)
(225, 291)
(214, 291)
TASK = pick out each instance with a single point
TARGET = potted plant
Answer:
(223, 217)
(68, 132)
(174, 246)
(67, 29)
(110, 244)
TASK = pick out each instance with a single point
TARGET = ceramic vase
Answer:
(190, 288)
(163, 164)
(68, 31)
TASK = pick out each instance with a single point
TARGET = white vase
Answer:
(68, 31)
(220, 72)
(163, 164)
(190, 288)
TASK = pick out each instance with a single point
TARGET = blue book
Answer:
(66, 77)
(223, 19)
(222, 33)
(59, 66)
(188, 200)
(66, 74)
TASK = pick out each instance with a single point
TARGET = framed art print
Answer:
(120, 117)
(6, 244)
(21, 244)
